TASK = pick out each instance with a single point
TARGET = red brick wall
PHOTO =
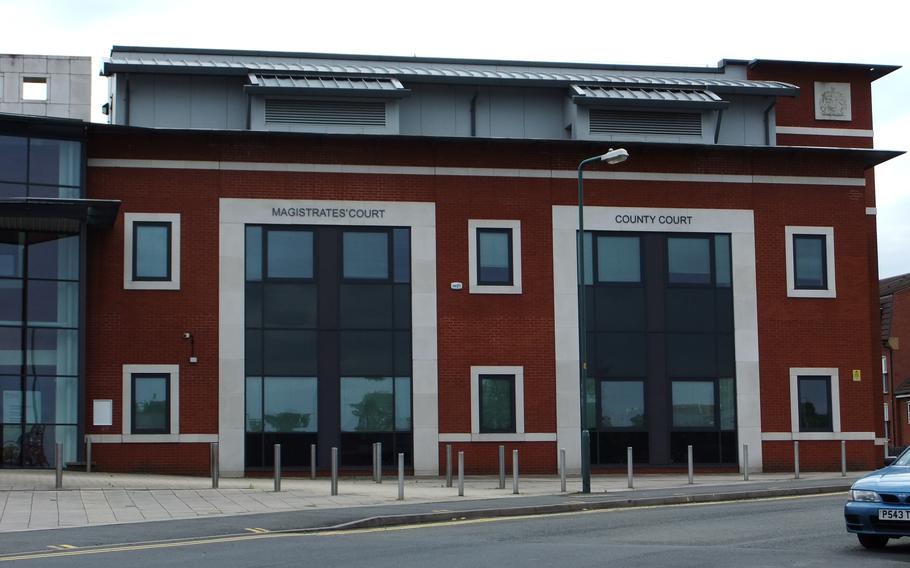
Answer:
(899, 361)
(145, 327)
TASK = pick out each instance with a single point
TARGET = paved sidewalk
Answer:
(28, 500)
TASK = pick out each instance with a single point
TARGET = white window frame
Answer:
(127, 403)
(474, 287)
(518, 373)
(834, 377)
(129, 220)
(828, 233)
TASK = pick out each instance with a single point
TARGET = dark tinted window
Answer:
(622, 404)
(402, 254)
(618, 260)
(55, 162)
(254, 253)
(151, 251)
(494, 256)
(620, 355)
(289, 304)
(151, 406)
(619, 308)
(691, 355)
(53, 256)
(815, 404)
(365, 255)
(689, 260)
(366, 306)
(722, 261)
(497, 403)
(809, 262)
(367, 404)
(289, 404)
(289, 352)
(693, 404)
(290, 254)
(366, 353)
(13, 158)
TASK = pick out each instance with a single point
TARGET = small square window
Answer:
(815, 404)
(618, 260)
(694, 404)
(365, 255)
(494, 257)
(151, 251)
(497, 403)
(810, 262)
(689, 260)
(289, 254)
(34, 88)
(151, 411)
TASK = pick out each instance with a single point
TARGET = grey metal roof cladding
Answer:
(386, 87)
(424, 71)
(691, 98)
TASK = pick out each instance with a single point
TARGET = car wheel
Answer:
(872, 541)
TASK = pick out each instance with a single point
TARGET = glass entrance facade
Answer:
(660, 344)
(328, 343)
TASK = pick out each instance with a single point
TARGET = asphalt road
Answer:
(804, 532)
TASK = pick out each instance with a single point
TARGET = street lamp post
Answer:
(611, 157)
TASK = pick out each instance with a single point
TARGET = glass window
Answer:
(367, 352)
(722, 261)
(367, 404)
(691, 354)
(53, 351)
(11, 254)
(589, 258)
(693, 404)
(151, 405)
(34, 88)
(494, 256)
(289, 304)
(815, 404)
(402, 254)
(54, 162)
(13, 159)
(10, 351)
(253, 404)
(726, 388)
(618, 259)
(254, 253)
(289, 352)
(809, 262)
(689, 260)
(151, 250)
(622, 404)
(403, 404)
(10, 302)
(365, 255)
(53, 303)
(290, 404)
(366, 306)
(497, 403)
(53, 256)
(290, 254)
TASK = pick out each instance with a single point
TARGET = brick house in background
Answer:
(338, 250)
(895, 308)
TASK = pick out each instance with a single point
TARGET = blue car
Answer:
(879, 505)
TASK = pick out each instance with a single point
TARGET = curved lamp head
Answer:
(615, 156)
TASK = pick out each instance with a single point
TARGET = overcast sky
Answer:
(654, 32)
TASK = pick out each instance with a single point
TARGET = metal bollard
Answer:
(562, 470)
(629, 465)
(401, 477)
(796, 459)
(514, 472)
(843, 458)
(334, 471)
(88, 454)
(213, 465)
(691, 467)
(448, 465)
(745, 462)
(502, 467)
(277, 473)
(58, 460)
(312, 461)
(378, 462)
(461, 474)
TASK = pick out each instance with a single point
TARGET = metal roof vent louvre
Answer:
(603, 121)
(345, 113)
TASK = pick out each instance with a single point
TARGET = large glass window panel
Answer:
(55, 162)
(815, 404)
(12, 189)
(366, 306)
(52, 256)
(365, 255)
(53, 303)
(402, 352)
(497, 403)
(53, 351)
(688, 260)
(12, 446)
(10, 399)
(402, 302)
(622, 404)
(620, 355)
(367, 353)
(10, 350)
(253, 352)
(289, 352)
(726, 388)
(723, 277)
(690, 309)
(618, 260)
(403, 404)
(10, 302)
(151, 406)
(809, 262)
(494, 256)
(13, 159)
(619, 308)
(691, 355)
(51, 399)
(401, 255)
(693, 404)
(289, 304)
(253, 404)
(290, 404)
(367, 404)
(151, 251)
(290, 254)
(253, 261)
(253, 304)
(11, 254)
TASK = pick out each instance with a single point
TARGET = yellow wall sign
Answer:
(857, 375)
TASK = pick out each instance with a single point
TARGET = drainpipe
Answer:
(720, 116)
(474, 115)
(767, 114)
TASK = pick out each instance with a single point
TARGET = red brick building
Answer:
(895, 309)
(340, 250)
